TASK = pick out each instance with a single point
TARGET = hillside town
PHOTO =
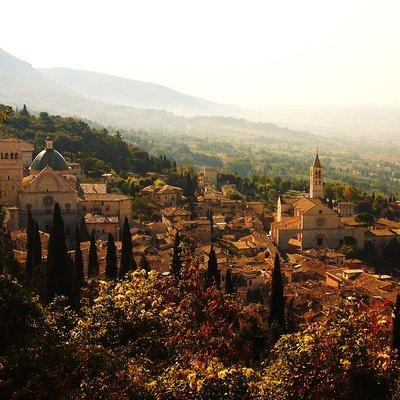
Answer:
(306, 231)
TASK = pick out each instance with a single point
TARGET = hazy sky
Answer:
(251, 53)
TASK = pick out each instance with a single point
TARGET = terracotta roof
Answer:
(351, 221)
(100, 219)
(291, 222)
(90, 188)
(388, 223)
(305, 203)
(174, 211)
(165, 189)
(104, 197)
(381, 232)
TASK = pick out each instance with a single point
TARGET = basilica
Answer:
(307, 222)
(37, 185)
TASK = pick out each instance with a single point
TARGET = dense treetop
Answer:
(96, 149)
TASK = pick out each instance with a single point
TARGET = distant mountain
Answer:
(67, 92)
(132, 93)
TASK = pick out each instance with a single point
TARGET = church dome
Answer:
(49, 157)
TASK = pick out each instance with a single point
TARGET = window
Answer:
(28, 206)
(320, 211)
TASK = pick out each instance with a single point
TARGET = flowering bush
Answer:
(153, 337)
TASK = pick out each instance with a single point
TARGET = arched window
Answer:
(16, 156)
(6, 156)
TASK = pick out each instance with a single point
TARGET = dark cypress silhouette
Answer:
(57, 274)
(93, 264)
(176, 266)
(127, 260)
(396, 324)
(277, 301)
(78, 274)
(37, 246)
(24, 111)
(6, 246)
(84, 230)
(229, 288)
(213, 274)
(210, 217)
(30, 243)
(144, 264)
(111, 258)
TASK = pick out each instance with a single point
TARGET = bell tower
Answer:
(316, 179)
(11, 171)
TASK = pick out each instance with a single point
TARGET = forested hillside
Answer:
(96, 150)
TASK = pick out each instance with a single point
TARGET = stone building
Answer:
(163, 195)
(211, 175)
(14, 162)
(49, 182)
(37, 185)
(309, 223)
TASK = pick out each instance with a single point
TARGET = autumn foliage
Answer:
(152, 336)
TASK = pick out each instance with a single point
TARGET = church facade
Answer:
(35, 186)
(307, 222)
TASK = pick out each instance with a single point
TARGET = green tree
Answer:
(37, 246)
(78, 277)
(30, 243)
(6, 246)
(213, 273)
(229, 288)
(84, 230)
(127, 262)
(365, 218)
(93, 264)
(24, 112)
(57, 272)
(176, 265)
(277, 299)
(111, 258)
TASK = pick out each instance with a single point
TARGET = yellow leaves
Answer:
(346, 364)
(222, 374)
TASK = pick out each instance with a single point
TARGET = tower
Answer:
(316, 179)
(11, 170)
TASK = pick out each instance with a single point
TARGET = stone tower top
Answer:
(316, 179)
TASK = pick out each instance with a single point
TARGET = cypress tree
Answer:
(79, 272)
(144, 264)
(78, 275)
(176, 266)
(210, 217)
(57, 274)
(37, 246)
(24, 111)
(213, 274)
(229, 288)
(30, 239)
(396, 325)
(84, 230)
(127, 260)
(277, 301)
(111, 258)
(93, 265)
(6, 246)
